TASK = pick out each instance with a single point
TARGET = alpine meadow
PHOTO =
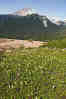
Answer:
(32, 49)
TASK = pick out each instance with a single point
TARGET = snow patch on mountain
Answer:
(25, 12)
(45, 22)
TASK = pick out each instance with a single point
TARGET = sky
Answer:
(51, 8)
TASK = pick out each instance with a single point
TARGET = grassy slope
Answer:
(59, 43)
(26, 72)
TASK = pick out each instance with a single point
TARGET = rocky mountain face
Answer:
(27, 26)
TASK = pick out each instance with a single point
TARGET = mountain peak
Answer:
(25, 11)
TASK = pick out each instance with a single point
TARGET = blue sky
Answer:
(46, 7)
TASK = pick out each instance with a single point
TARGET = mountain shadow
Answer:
(31, 27)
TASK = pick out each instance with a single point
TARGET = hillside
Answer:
(61, 34)
(33, 27)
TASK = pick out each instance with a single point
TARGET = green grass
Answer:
(33, 72)
(59, 43)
